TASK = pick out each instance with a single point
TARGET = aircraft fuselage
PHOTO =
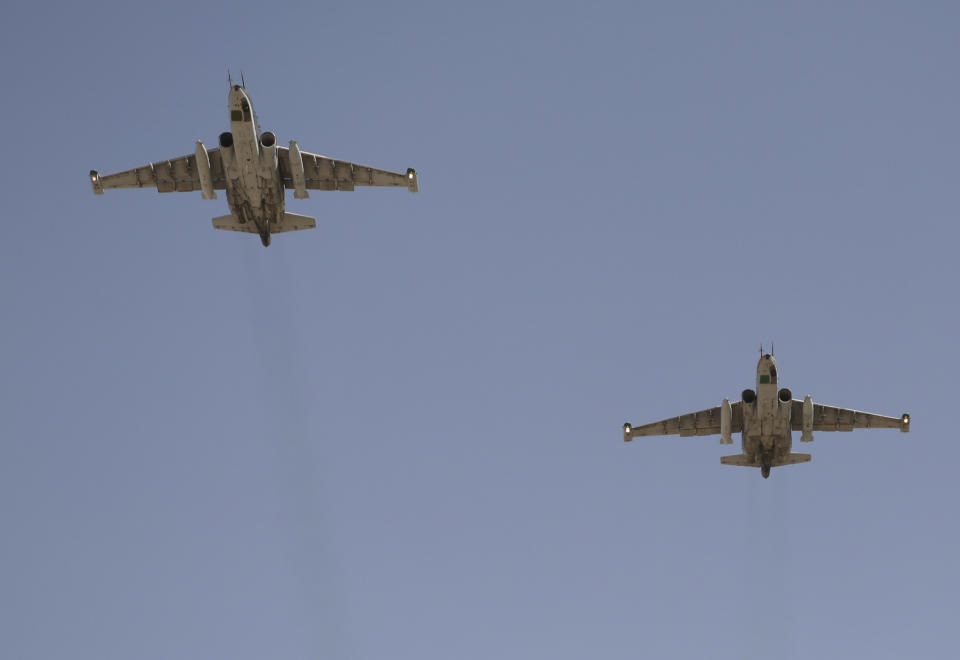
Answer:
(255, 192)
(766, 434)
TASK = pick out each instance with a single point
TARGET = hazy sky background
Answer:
(399, 435)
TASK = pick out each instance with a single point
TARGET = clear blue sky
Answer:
(398, 435)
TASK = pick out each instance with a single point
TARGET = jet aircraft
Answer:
(766, 417)
(254, 171)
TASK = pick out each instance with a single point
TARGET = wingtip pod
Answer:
(905, 423)
(412, 184)
(626, 432)
(96, 182)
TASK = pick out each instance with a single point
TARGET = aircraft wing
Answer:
(705, 422)
(322, 173)
(174, 175)
(831, 418)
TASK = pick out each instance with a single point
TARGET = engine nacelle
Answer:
(785, 395)
(296, 172)
(203, 171)
(748, 396)
(806, 420)
(226, 151)
(268, 150)
(726, 417)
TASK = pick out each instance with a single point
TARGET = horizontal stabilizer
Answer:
(739, 459)
(233, 223)
(293, 222)
(791, 459)
(290, 222)
(746, 461)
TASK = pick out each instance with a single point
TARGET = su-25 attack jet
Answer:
(766, 417)
(254, 171)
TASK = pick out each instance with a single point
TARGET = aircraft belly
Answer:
(255, 199)
(757, 442)
(772, 424)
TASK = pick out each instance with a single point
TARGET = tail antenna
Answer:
(771, 349)
(229, 78)
(242, 81)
